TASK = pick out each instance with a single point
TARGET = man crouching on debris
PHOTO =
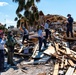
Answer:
(2, 43)
(25, 32)
(41, 38)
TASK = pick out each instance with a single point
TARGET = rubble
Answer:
(59, 58)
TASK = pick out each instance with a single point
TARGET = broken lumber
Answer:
(62, 63)
(50, 50)
(66, 62)
(67, 50)
(68, 56)
(70, 71)
(56, 69)
(35, 52)
(70, 38)
(74, 73)
(41, 74)
(71, 62)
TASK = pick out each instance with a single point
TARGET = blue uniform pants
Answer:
(1, 60)
(41, 40)
(69, 29)
(47, 33)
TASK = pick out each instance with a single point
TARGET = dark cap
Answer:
(47, 21)
(68, 15)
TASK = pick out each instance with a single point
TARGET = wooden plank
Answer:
(68, 50)
(71, 62)
(50, 50)
(20, 49)
(70, 71)
(66, 62)
(68, 56)
(62, 63)
(34, 50)
(56, 47)
(70, 38)
(42, 73)
(74, 73)
(73, 52)
(56, 69)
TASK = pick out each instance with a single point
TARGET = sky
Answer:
(59, 7)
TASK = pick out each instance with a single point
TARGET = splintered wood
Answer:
(67, 61)
(50, 50)
(56, 69)
(70, 71)
(42, 74)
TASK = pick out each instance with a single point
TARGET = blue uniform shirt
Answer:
(2, 43)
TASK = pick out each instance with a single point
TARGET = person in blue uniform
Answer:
(41, 38)
(46, 27)
(2, 43)
(25, 33)
(69, 25)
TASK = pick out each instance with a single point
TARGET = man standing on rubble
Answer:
(2, 43)
(69, 25)
(46, 27)
(41, 38)
(10, 43)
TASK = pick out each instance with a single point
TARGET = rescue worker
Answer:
(25, 33)
(69, 25)
(10, 45)
(2, 43)
(41, 38)
(47, 31)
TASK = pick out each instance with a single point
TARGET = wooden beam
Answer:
(66, 62)
(62, 63)
(70, 38)
(50, 50)
(71, 62)
(70, 71)
(68, 56)
(20, 49)
(42, 73)
(56, 69)
(74, 73)
(68, 50)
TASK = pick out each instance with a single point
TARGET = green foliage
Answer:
(30, 10)
(2, 27)
(15, 19)
(18, 23)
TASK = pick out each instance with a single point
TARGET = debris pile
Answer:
(59, 58)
